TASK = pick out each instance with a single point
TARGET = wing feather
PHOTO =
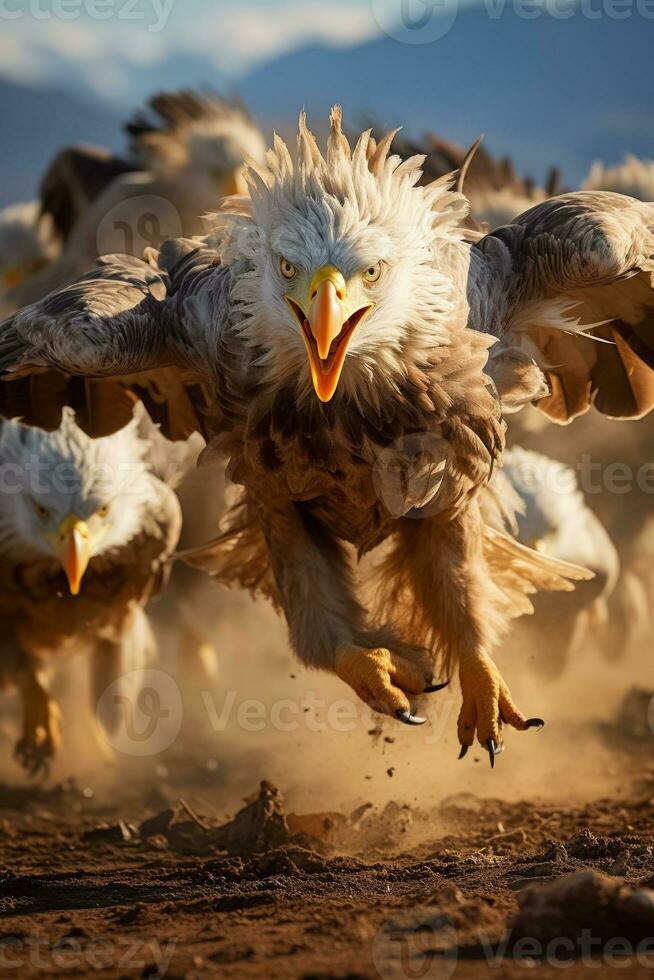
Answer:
(126, 330)
(569, 285)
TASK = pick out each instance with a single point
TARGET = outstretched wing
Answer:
(568, 290)
(127, 329)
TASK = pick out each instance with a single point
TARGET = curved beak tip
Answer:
(327, 329)
(74, 551)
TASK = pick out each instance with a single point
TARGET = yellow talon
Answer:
(381, 678)
(487, 705)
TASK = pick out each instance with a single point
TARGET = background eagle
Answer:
(86, 533)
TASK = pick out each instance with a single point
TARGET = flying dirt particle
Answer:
(390, 772)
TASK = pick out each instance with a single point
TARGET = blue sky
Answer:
(97, 35)
(555, 89)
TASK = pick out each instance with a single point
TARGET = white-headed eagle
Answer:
(87, 531)
(353, 357)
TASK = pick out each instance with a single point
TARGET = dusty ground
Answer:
(380, 855)
(146, 885)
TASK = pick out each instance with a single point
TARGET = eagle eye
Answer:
(287, 268)
(372, 273)
(103, 511)
(42, 511)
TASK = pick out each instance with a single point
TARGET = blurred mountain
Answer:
(544, 90)
(36, 123)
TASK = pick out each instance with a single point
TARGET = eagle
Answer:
(554, 518)
(353, 357)
(87, 531)
(187, 151)
(27, 243)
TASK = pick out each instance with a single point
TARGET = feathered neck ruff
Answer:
(333, 198)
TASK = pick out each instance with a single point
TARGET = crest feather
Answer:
(382, 150)
(337, 143)
(308, 151)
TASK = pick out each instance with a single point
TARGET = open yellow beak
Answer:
(73, 550)
(327, 328)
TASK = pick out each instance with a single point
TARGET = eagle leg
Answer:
(487, 706)
(386, 681)
(327, 625)
(455, 610)
(41, 737)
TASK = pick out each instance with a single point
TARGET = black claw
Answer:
(464, 749)
(490, 745)
(535, 723)
(436, 687)
(408, 719)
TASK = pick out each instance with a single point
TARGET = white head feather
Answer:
(25, 239)
(47, 476)
(349, 208)
(215, 139)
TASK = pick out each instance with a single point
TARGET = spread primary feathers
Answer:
(336, 336)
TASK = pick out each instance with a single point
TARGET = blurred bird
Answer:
(553, 518)
(86, 533)
(633, 177)
(26, 244)
(496, 193)
(353, 357)
(185, 155)
(74, 180)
